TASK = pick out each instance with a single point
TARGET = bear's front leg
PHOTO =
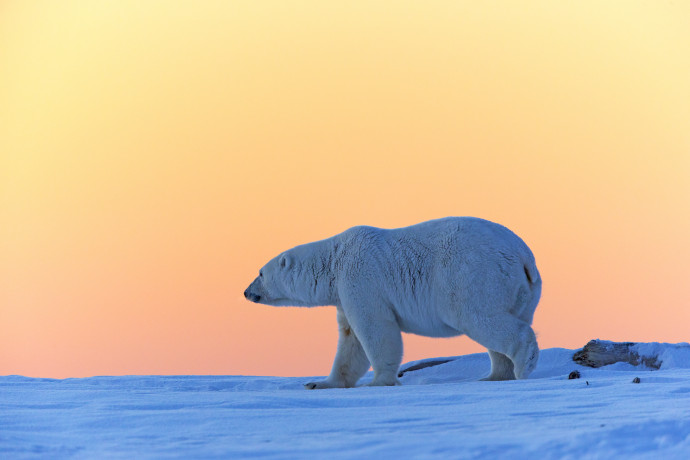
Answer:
(378, 331)
(350, 362)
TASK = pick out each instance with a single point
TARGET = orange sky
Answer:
(154, 155)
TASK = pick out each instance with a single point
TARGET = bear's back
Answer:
(449, 232)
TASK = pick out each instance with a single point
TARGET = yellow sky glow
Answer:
(154, 155)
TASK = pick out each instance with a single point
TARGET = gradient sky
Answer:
(154, 155)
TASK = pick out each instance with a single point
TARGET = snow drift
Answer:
(440, 411)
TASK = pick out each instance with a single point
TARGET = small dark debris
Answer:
(574, 375)
(586, 382)
(636, 380)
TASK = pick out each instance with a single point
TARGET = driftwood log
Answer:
(599, 353)
(596, 353)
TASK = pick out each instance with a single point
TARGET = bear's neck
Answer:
(324, 268)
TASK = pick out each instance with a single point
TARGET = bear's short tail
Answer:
(531, 270)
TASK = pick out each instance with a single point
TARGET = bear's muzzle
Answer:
(251, 296)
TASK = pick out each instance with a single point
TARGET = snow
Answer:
(677, 356)
(439, 412)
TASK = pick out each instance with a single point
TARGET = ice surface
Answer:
(439, 412)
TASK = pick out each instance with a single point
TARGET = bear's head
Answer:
(290, 279)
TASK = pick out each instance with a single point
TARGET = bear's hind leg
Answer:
(350, 362)
(501, 367)
(505, 334)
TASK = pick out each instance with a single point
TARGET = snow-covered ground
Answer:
(439, 412)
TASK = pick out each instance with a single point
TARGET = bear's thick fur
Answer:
(442, 278)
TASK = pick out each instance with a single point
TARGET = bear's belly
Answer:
(428, 327)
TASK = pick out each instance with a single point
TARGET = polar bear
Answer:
(441, 278)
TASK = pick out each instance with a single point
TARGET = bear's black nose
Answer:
(252, 297)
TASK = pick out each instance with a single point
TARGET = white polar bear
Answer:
(442, 278)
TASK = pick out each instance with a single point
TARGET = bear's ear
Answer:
(285, 261)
